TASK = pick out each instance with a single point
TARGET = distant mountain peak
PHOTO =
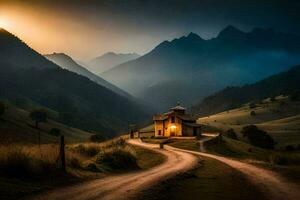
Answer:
(193, 35)
(230, 31)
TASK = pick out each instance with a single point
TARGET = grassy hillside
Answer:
(25, 75)
(279, 117)
(17, 127)
(30, 169)
(286, 83)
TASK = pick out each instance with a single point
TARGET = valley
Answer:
(149, 100)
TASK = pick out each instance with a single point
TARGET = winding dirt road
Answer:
(271, 183)
(127, 185)
(178, 160)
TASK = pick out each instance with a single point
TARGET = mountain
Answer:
(68, 63)
(190, 68)
(108, 60)
(287, 83)
(28, 78)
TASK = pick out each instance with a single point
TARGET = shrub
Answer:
(74, 160)
(231, 134)
(289, 148)
(118, 158)
(38, 116)
(97, 138)
(55, 132)
(258, 137)
(2, 108)
(252, 113)
(278, 159)
(89, 150)
(294, 97)
(252, 105)
(273, 99)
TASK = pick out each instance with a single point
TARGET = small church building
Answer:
(176, 123)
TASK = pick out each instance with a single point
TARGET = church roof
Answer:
(160, 117)
(178, 107)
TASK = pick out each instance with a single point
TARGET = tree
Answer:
(252, 113)
(231, 134)
(55, 132)
(258, 137)
(38, 116)
(2, 108)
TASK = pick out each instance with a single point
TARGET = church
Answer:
(176, 123)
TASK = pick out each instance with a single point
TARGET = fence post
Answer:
(62, 153)
(161, 145)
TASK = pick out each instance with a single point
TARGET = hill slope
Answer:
(107, 61)
(191, 68)
(17, 127)
(280, 118)
(68, 63)
(283, 83)
(26, 75)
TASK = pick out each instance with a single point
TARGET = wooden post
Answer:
(62, 153)
(161, 145)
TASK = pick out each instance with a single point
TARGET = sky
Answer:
(85, 29)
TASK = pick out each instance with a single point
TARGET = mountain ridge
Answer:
(28, 78)
(108, 60)
(66, 62)
(284, 83)
(205, 66)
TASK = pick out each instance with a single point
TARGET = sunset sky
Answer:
(85, 29)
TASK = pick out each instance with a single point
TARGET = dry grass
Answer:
(28, 161)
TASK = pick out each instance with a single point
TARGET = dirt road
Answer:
(127, 185)
(271, 183)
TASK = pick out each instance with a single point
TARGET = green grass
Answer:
(147, 159)
(280, 119)
(212, 180)
(285, 163)
(17, 127)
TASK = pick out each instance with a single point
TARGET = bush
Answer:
(97, 138)
(118, 158)
(252, 105)
(294, 97)
(231, 134)
(253, 113)
(55, 132)
(278, 159)
(273, 99)
(289, 148)
(258, 137)
(89, 150)
(38, 116)
(2, 108)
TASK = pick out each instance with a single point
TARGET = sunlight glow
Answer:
(3, 23)
(173, 127)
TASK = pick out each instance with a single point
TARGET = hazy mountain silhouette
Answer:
(191, 68)
(68, 63)
(27, 76)
(109, 60)
(287, 83)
